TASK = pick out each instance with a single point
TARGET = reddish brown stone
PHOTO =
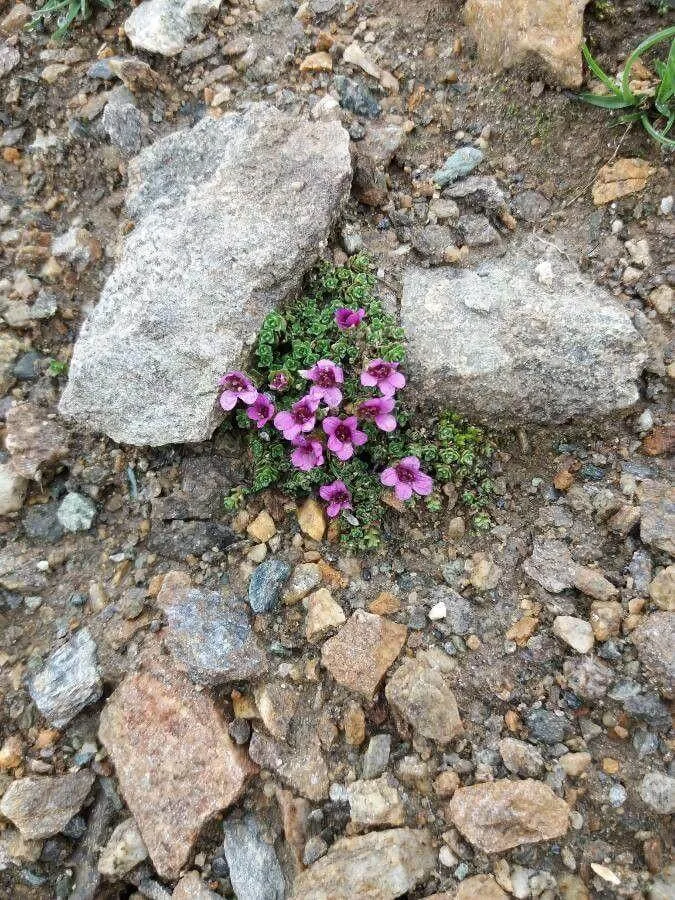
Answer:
(33, 440)
(174, 758)
(362, 651)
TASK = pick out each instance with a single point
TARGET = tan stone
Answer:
(480, 887)
(621, 178)
(513, 33)
(297, 761)
(191, 887)
(362, 651)
(419, 692)
(312, 519)
(605, 619)
(33, 440)
(9, 350)
(354, 724)
(499, 815)
(375, 802)
(577, 633)
(379, 865)
(323, 613)
(384, 604)
(522, 630)
(655, 642)
(262, 528)
(277, 702)
(11, 753)
(445, 784)
(41, 807)
(176, 763)
(317, 62)
(575, 764)
(593, 584)
(662, 589)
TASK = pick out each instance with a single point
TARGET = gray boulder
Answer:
(505, 349)
(229, 216)
(68, 681)
(255, 872)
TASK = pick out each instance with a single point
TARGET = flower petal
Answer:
(389, 477)
(228, 400)
(403, 491)
(386, 422)
(423, 485)
(330, 423)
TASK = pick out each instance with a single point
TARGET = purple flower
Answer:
(279, 381)
(261, 411)
(236, 386)
(337, 496)
(383, 375)
(378, 410)
(300, 417)
(343, 436)
(308, 453)
(347, 318)
(405, 477)
(325, 376)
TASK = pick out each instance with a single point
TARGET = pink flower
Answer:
(279, 381)
(378, 410)
(236, 386)
(405, 477)
(300, 417)
(308, 453)
(383, 375)
(337, 496)
(261, 411)
(347, 318)
(343, 436)
(325, 376)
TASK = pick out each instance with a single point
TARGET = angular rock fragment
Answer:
(521, 758)
(322, 613)
(210, 636)
(375, 802)
(517, 33)
(480, 887)
(658, 792)
(42, 807)
(266, 584)
(380, 865)
(362, 651)
(191, 887)
(419, 692)
(277, 702)
(503, 348)
(33, 440)
(299, 761)
(69, 680)
(253, 195)
(655, 642)
(165, 26)
(255, 872)
(125, 850)
(175, 761)
(657, 522)
(503, 814)
(577, 633)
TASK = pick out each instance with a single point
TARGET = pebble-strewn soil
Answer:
(505, 696)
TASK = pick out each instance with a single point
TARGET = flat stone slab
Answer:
(42, 806)
(176, 763)
(503, 348)
(499, 815)
(380, 865)
(229, 216)
(165, 26)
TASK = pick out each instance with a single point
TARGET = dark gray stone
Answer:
(255, 872)
(531, 206)
(180, 539)
(69, 680)
(122, 121)
(41, 523)
(210, 636)
(355, 97)
(27, 366)
(266, 585)
(546, 726)
(376, 757)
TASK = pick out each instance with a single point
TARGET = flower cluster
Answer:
(314, 427)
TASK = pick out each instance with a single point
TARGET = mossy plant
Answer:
(340, 323)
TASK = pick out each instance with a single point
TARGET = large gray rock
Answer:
(165, 26)
(503, 348)
(229, 216)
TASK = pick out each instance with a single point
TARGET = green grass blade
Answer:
(606, 101)
(598, 72)
(659, 136)
(667, 86)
